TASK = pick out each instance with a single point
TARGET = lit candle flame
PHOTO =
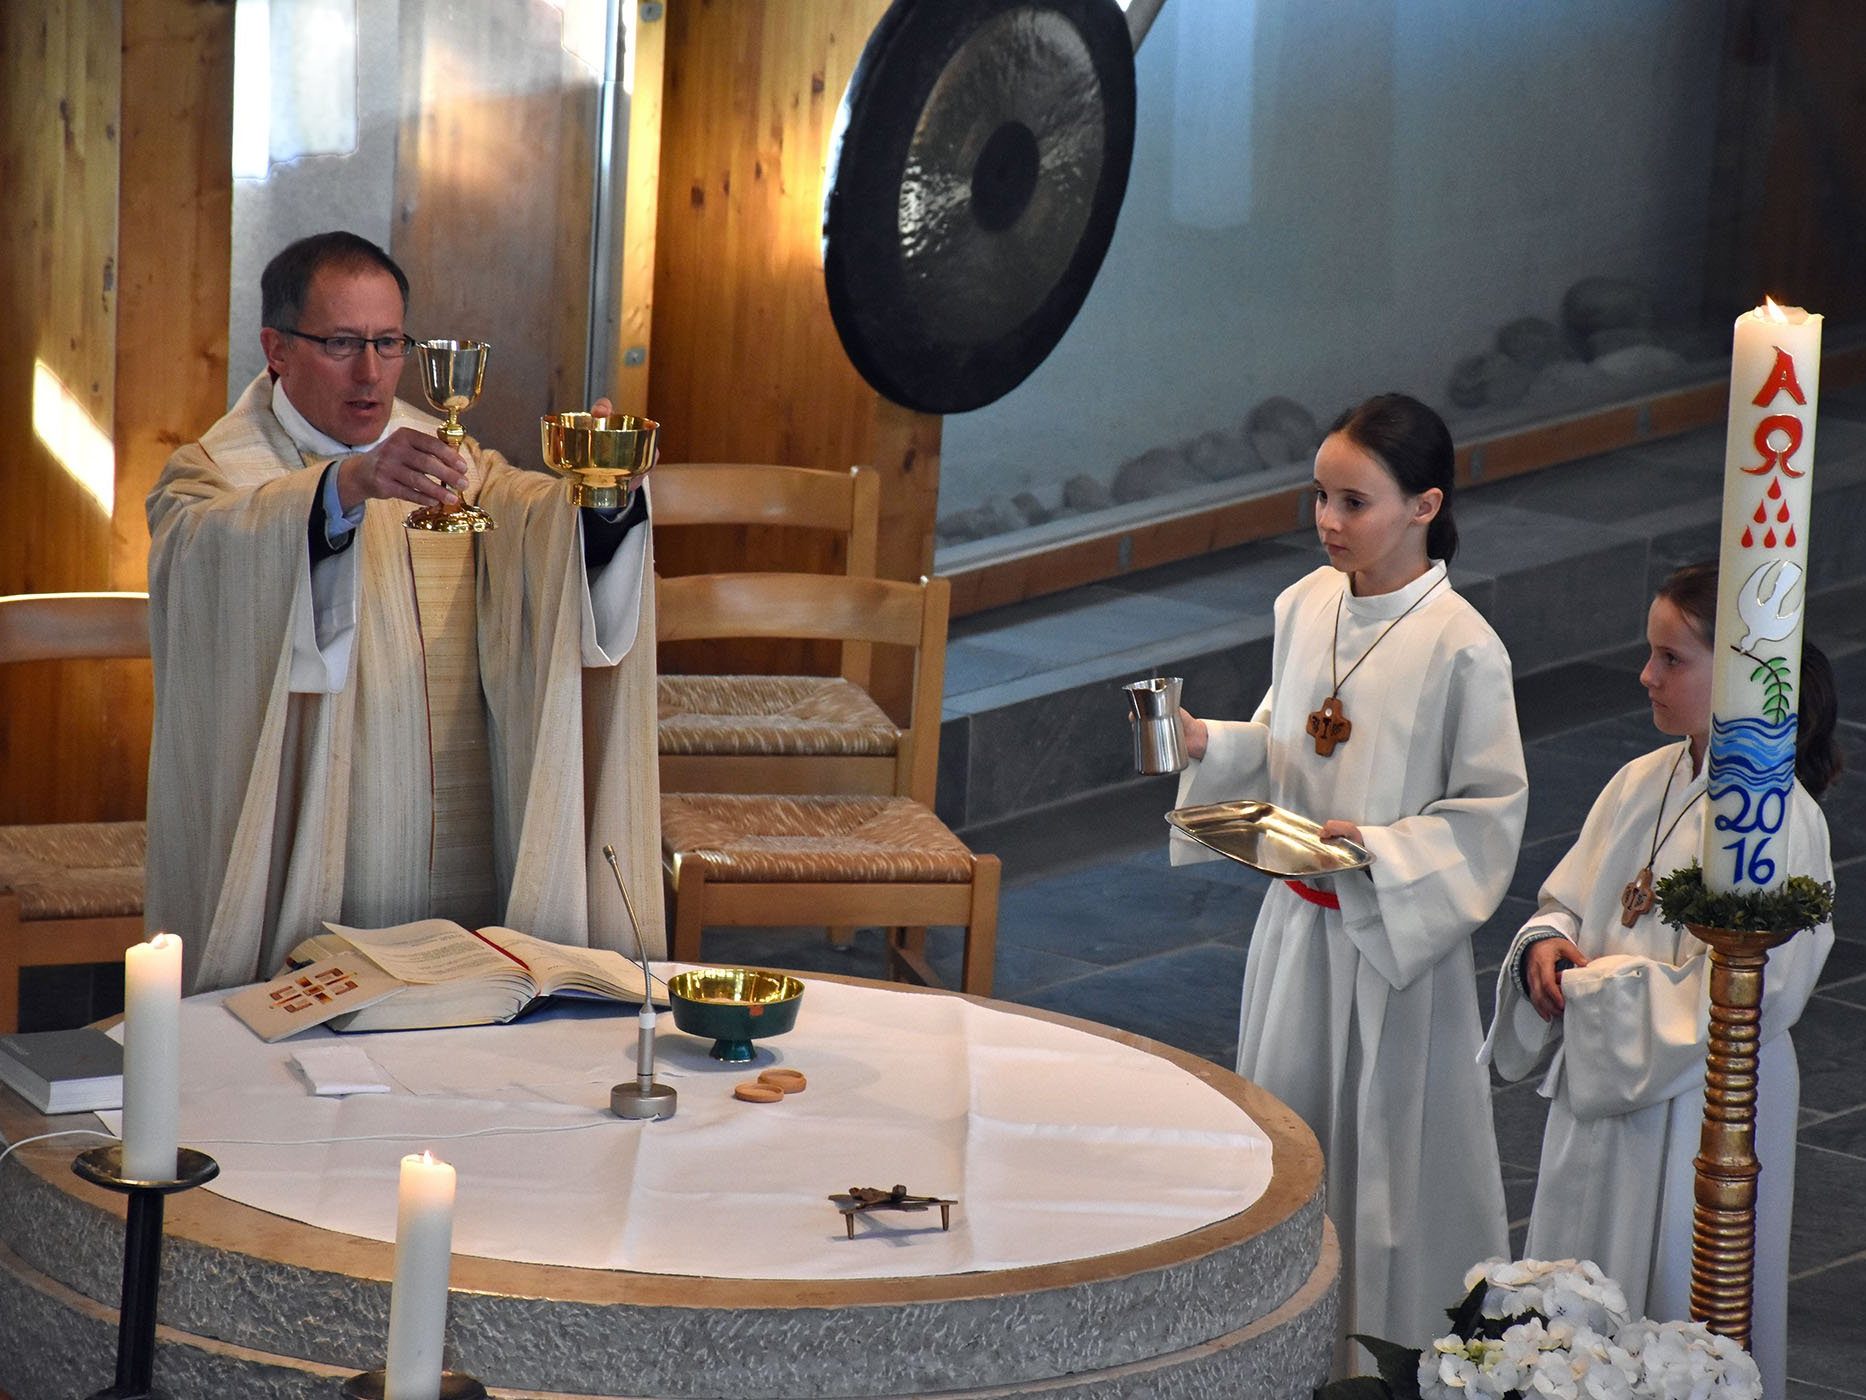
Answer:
(162, 940)
(1771, 311)
(427, 1157)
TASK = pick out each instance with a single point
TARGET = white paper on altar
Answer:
(1059, 1144)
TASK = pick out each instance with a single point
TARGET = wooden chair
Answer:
(790, 734)
(829, 860)
(71, 892)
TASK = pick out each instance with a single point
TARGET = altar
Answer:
(1130, 1219)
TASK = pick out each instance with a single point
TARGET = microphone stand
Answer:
(644, 1098)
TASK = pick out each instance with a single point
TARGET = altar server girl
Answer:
(1390, 717)
(1623, 998)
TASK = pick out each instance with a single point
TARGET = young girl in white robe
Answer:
(1360, 1006)
(1628, 1021)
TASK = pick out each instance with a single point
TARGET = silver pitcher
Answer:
(1159, 742)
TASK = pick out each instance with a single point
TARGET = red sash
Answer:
(1319, 897)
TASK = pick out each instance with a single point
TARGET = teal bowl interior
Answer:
(735, 1006)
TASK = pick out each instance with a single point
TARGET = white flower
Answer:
(1568, 1337)
(1687, 1361)
(1454, 1369)
(1569, 1289)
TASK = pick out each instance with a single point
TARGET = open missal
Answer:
(64, 1071)
(424, 975)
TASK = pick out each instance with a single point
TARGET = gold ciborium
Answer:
(600, 459)
(452, 372)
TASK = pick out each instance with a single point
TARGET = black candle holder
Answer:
(142, 1257)
(373, 1385)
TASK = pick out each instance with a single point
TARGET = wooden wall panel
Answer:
(58, 167)
(745, 364)
(115, 117)
(1788, 215)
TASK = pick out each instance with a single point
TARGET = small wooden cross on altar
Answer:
(1329, 726)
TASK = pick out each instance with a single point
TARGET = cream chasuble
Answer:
(1365, 1019)
(1626, 1079)
(290, 785)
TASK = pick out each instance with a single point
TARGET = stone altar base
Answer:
(257, 1306)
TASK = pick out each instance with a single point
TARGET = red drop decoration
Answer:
(1768, 539)
(1775, 489)
(1762, 513)
(1748, 539)
(1782, 514)
(1790, 541)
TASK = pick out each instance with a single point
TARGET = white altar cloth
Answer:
(1059, 1144)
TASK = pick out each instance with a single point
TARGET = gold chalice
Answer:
(600, 459)
(452, 372)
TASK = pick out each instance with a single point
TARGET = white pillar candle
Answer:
(424, 1232)
(1775, 371)
(151, 1058)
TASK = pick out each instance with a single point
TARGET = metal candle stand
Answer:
(142, 1258)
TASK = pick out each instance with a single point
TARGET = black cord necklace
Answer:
(1330, 725)
(1636, 899)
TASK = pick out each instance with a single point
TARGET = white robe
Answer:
(1365, 1020)
(292, 784)
(1626, 1079)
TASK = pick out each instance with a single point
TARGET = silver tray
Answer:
(1265, 837)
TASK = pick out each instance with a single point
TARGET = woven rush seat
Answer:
(788, 715)
(755, 838)
(70, 893)
(75, 871)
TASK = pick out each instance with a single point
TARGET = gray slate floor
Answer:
(1094, 923)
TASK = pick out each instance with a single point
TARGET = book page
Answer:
(429, 950)
(560, 967)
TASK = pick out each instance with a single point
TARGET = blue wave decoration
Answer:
(1755, 755)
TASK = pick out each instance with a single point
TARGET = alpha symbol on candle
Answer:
(1781, 378)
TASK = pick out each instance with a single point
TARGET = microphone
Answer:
(644, 1098)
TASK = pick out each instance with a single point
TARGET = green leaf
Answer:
(1468, 1315)
(1356, 1388)
(1798, 903)
(1398, 1365)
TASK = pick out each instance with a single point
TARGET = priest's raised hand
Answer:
(407, 465)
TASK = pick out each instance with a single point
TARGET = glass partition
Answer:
(1518, 212)
(464, 137)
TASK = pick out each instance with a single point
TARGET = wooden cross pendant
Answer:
(1636, 898)
(1329, 726)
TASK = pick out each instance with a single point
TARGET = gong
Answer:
(982, 156)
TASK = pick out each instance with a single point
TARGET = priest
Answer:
(361, 722)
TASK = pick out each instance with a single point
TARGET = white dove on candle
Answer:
(1764, 603)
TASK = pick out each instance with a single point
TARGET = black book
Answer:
(63, 1071)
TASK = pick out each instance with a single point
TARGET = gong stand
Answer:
(1723, 1218)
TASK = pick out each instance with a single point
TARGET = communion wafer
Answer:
(791, 1081)
(753, 1092)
